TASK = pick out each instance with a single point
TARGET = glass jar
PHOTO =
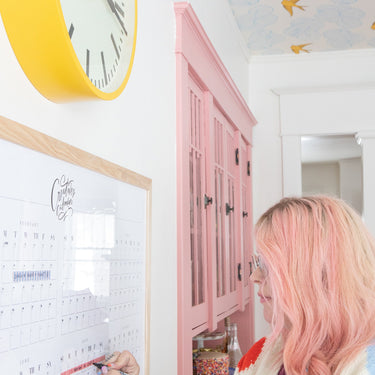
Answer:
(234, 350)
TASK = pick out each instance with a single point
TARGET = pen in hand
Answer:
(120, 363)
(102, 367)
(105, 367)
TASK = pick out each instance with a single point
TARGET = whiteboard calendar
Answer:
(73, 262)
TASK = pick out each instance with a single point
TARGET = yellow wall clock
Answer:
(73, 49)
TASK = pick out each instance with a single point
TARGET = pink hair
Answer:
(321, 268)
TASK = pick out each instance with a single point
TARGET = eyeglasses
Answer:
(257, 262)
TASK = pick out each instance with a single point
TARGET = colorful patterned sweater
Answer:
(260, 360)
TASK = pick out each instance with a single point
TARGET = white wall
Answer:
(321, 178)
(328, 93)
(351, 182)
(137, 131)
(341, 178)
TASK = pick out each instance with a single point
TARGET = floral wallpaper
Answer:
(303, 26)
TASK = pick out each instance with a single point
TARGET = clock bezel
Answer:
(40, 40)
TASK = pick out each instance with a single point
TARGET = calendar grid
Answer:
(73, 260)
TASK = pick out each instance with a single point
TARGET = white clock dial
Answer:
(102, 34)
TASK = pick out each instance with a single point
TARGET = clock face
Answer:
(102, 33)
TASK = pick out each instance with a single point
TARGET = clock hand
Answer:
(114, 10)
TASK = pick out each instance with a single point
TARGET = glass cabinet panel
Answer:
(219, 206)
(230, 207)
(246, 219)
(224, 166)
(196, 185)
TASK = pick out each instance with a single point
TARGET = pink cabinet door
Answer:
(223, 184)
(245, 217)
(198, 243)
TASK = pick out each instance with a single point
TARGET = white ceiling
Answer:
(333, 148)
(303, 26)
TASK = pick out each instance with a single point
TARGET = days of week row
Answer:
(17, 244)
(82, 358)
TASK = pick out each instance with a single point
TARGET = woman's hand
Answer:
(123, 361)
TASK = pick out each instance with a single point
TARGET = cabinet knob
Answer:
(239, 272)
(245, 214)
(207, 200)
(228, 208)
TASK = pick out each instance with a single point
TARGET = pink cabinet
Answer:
(195, 177)
(246, 221)
(214, 212)
(223, 185)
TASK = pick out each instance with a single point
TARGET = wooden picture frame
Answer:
(56, 340)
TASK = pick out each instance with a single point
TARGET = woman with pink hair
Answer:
(316, 278)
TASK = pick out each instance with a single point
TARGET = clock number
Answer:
(114, 46)
(88, 62)
(104, 69)
(71, 30)
(115, 11)
(120, 10)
